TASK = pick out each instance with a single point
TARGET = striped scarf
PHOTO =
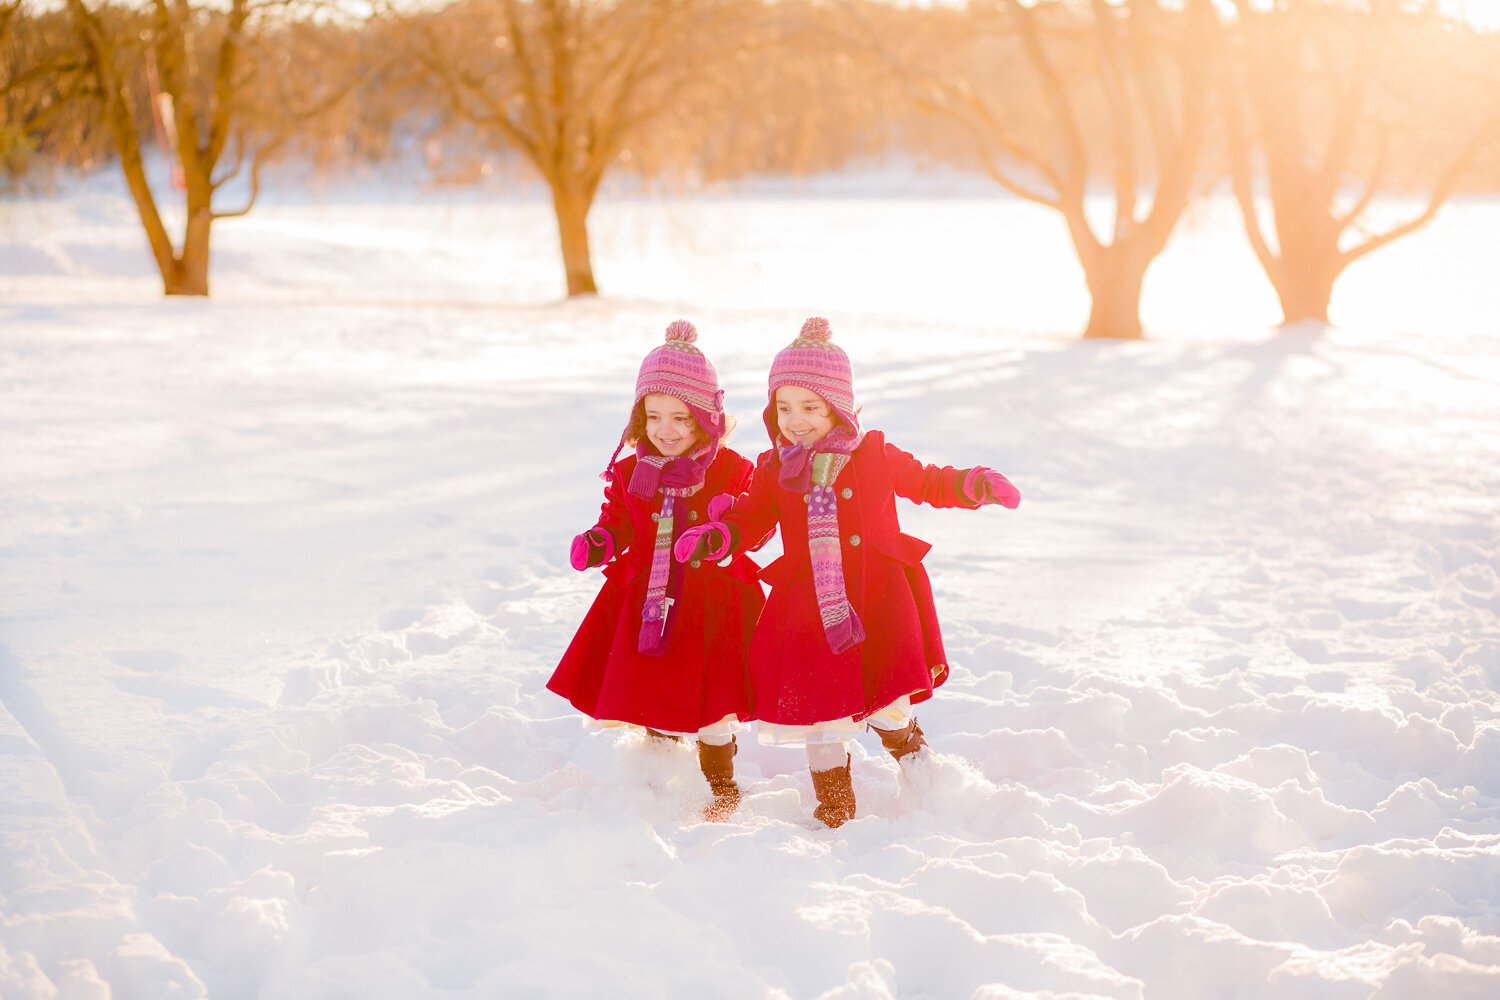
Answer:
(813, 471)
(672, 478)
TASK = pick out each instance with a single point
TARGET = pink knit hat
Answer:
(815, 362)
(679, 369)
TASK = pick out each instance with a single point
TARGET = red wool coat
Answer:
(700, 677)
(795, 677)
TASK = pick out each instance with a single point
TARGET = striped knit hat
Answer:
(813, 361)
(679, 369)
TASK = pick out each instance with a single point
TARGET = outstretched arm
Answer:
(945, 486)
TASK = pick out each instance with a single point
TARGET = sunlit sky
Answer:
(1484, 13)
(1481, 13)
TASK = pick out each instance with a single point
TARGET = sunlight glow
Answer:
(1483, 14)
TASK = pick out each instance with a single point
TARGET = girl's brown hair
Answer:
(635, 431)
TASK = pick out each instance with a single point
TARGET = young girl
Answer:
(849, 635)
(660, 649)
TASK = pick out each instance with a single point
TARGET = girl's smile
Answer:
(669, 424)
(802, 416)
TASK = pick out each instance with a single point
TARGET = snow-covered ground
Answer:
(282, 575)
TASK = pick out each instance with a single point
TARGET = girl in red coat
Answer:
(849, 636)
(660, 648)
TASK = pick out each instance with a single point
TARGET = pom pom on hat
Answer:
(682, 330)
(816, 328)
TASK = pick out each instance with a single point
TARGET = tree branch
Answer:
(1073, 179)
(1242, 176)
(221, 106)
(1122, 116)
(1482, 137)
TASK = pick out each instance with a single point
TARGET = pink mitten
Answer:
(708, 541)
(984, 485)
(591, 548)
(718, 507)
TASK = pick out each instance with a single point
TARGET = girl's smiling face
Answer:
(802, 416)
(670, 424)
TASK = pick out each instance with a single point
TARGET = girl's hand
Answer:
(718, 507)
(984, 485)
(591, 548)
(709, 541)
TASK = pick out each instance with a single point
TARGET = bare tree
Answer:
(210, 72)
(568, 83)
(1067, 101)
(40, 85)
(1321, 103)
(15, 139)
(798, 101)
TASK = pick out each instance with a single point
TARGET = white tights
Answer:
(829, 754)
(717, 735)
(826, 756)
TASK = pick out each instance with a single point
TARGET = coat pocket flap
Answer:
(784, 570)
(904, 548)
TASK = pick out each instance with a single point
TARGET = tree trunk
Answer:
(572, 211)
(1305, 291)
(184, 273)
(1115, 277)
(1309, 261)
(188, 274)
(181, 274)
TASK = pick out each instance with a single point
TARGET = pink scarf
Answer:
(672, 478)
(813, 471)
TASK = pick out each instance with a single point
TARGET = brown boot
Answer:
(717, 764)
(900, 742)
(835, 794)
(660, 737)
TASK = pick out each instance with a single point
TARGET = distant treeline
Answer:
(1313, 111)
(812, 86)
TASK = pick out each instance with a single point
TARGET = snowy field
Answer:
(283, 573)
